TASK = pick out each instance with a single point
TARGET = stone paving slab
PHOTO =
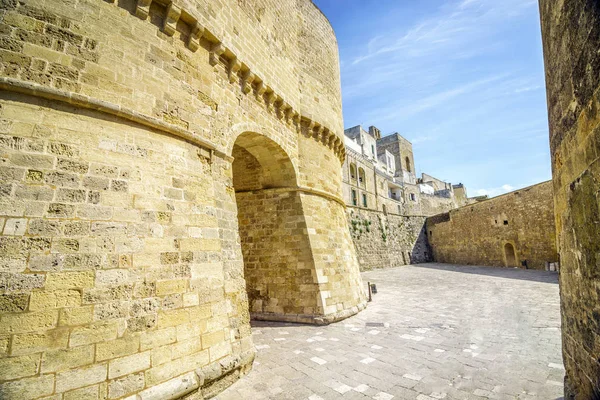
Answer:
(433, 331)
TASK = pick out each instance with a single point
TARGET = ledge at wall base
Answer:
(310, 319)
(202, 384)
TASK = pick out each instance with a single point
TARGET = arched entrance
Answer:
(278, 261)
(510, 256)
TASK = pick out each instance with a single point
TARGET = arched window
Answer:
(362, 178)
(408, 167)
(353, 172)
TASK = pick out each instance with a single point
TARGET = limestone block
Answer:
(69, 280)
(13, 302)
(62, 360)
(15, 226)
(157, 338)
(28, 343)
(172, 389)
(176, 367)
(117, 348)
(19, 367)
(28, 388)
(121, 387)
(43, 300)
(28, 322)
(80, 377)
(93, 333)
(128, 364)
(89, 392)
(76, 316)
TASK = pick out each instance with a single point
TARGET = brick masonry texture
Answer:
(502, 231)
(571, 37)
(384, 241)
(130, 135)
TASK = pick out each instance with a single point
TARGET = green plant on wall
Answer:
(367, 225)
(382, 229)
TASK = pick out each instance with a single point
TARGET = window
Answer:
(362, 179)
(354, 198)
(373, 149)
(505, 222)
(408, 167)
(353, 172)
(384, 210)
(364, 197)
(413, 197)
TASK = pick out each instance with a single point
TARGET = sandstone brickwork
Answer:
(505, 231)
(571, 38)
(388, 240)
(150, 150)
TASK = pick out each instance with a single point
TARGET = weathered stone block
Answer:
(121, 387)
(19, 367)
(164, 288)
(65, 359)
(13, 302)
(172, 389)
(28, 388)
(117, 348)
(28, 322)
(128, 365)
(76, 316)
(69, 280)
(157, 338)
(80, 377)
(44, 300)
(93, 333)
(29, 343)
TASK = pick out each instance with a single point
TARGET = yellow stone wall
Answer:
(478, 233)
(571, 38)
(121, 261)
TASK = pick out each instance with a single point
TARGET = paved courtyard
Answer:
(432, 332)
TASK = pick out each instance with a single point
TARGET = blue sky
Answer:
(462, 79)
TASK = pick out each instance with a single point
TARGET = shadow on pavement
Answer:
(506, 273)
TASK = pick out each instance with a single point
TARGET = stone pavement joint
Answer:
(443, 332)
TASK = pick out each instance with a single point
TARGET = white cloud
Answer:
(493, 192)
(397, 111)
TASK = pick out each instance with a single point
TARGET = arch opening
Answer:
(510, 256)
(278, 262)
(362, 178)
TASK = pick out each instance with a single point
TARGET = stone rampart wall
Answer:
(477, 234)
(385, 241)
(571, 37)
(121, 265)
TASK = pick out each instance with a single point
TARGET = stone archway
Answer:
(278, 260)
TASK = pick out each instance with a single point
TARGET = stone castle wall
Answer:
(387, 241)
(122, 255)
(503, 231)
(571, 38)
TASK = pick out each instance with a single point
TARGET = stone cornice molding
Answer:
(219, 50)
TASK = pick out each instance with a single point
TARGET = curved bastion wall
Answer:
(149, 151)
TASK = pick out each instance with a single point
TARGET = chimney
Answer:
(376, 133)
